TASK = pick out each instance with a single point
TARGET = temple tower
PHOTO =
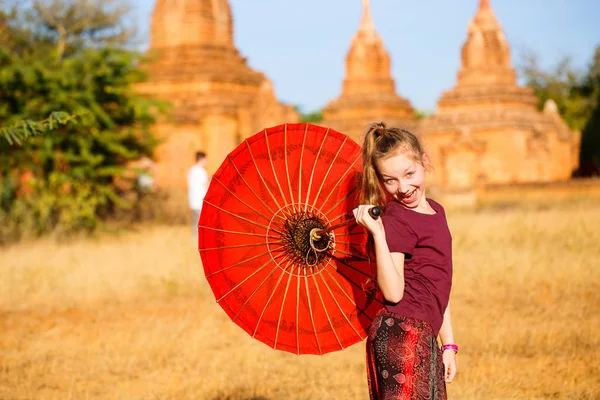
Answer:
(488, 129)
(368, 91)
(218, 100)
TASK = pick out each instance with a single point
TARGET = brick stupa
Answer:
(488, 129)
(218, 100)
(368, 92)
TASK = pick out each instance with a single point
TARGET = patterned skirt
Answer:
(403, 359)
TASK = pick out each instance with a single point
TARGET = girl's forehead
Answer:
(397, 163)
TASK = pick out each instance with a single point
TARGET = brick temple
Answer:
(218, 100)
(487, 129)
(368, 91)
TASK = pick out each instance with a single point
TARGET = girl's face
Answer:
(403, 178)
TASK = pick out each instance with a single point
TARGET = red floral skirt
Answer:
(403, 359)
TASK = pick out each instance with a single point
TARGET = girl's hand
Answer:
(449, 360)
(362, 216)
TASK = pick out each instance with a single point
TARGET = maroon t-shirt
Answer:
(427, 244)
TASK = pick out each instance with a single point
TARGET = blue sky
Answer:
(301, 45)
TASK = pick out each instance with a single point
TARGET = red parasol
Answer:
(279, 245)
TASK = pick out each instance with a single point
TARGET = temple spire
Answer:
(484, 4)
(484, 17)
(367, 61)
(486, 53)
(368, 92)
(366, 23)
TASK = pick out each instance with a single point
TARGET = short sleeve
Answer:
(400, 238)
(204, 178)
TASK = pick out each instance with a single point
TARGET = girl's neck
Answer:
(423, 207)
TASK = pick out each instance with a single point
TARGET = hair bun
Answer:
(380, 130)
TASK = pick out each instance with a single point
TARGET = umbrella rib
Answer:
(287, 169)
(329, 170)
(242, 218)
(350, 266)
(240, 200)
(359, 287)
(340, 216)
(340, 286)
(354, 284)
(248, 185)
(351, 233)
(240, 263)
(236, 233)
(245, 280)
(297, 316)
(312, 319)
(273, 168)
(237, 246)
(312, 174)
(358, 244)
(255, 290)
(287, 287)
(340, 181)
(270, 297)
(342, 199)
(260, 175)
(339, 307)
(353, 255)
(327, 314)
(347, 295)
(300, 169)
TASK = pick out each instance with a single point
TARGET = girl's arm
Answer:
(390, 270)
(390, 266)
(447, 337)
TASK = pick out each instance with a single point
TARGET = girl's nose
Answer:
(404, 187)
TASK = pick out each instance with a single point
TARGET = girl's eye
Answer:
(410, 174)
(388, 181)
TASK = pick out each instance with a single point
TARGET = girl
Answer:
(413, 252)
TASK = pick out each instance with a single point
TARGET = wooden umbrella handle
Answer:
(375, 212)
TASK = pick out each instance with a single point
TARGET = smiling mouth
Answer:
(407, 195)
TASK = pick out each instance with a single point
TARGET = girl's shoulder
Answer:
(395, 220)
(436, 206)
(393, 209)
(396, 214)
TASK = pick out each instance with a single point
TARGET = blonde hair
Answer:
(380, 143)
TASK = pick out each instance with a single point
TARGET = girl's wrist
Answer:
(450, 346)
(379, 234)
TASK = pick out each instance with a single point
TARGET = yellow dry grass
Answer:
(131, 317)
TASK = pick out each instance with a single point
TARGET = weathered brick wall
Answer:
(487, 129)
(218, 100)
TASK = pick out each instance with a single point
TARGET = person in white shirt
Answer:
(197, 181)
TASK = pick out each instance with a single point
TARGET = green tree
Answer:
(422, 114)
(72, 57)
(19, 132)
(558, 84)
(577, 96)
(314, 117)
(590, 137)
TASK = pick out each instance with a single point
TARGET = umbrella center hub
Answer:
(302, 234)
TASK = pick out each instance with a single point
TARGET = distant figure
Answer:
(145, 178)
(197, 181)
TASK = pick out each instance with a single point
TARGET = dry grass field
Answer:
(130, 316)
